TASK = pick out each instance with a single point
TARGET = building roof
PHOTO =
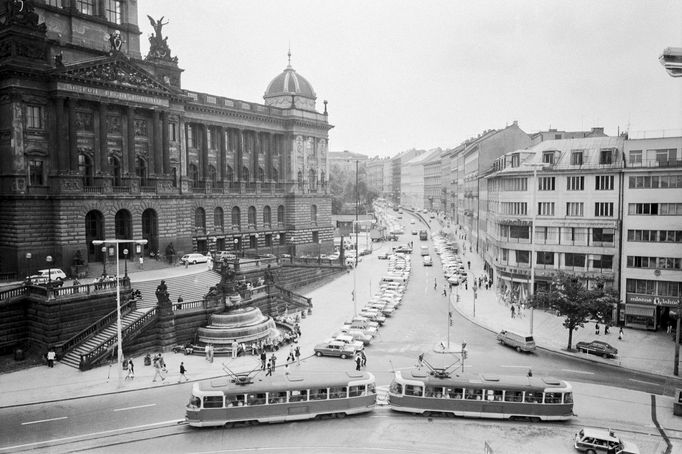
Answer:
(343, 155)
(289, 82)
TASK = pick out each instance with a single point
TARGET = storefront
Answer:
(649, 311)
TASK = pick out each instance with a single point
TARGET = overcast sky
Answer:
(424, 74)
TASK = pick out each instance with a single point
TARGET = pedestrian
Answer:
(297, 353)
(141, 263)
(157, 369)
(235, 347)
(530, 373)
(445, 292)
(269, 372)
(669, 330)
(51, 356)
(469, 263)
(182, 372)
(466, 284)
(620, 334)
(131, 370)
(186, 264)
(606, 328)
(179, 306)
(210, 353)
(512, 311)
(358, 362)
(435, 284)
(596, 328)
(206, 351)
(273, 361)
(263, 358)
(363, 358)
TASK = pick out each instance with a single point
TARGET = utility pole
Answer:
(676, 366)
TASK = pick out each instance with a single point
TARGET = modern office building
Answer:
(97, 142)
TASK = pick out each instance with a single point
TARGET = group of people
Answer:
(160, 369)
(360, 360)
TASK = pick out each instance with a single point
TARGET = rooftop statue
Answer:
(158, 45)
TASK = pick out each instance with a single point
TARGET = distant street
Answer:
(146, 420)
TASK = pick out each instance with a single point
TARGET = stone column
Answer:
(221, 153)
(130, 142)
(268, 157)
(103, 149)
(60, 125)
(204, 151)
(72, 148)
(155, 155)
(165, 144)
(166, 325)
(240, 155)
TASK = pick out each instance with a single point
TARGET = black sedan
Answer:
(597, 348)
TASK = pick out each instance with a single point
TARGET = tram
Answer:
(433, 393)
(270, 399)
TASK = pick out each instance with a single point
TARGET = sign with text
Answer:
(112, 94)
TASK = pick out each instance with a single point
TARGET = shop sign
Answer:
(638, 298)
(112, 94)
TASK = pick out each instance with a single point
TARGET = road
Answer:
(147, 420)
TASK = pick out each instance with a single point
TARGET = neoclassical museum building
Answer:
(98, 142)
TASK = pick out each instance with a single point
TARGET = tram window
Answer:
(318, 394)
(552, 398)
(213, 401)
(195, 402)
(474, 394)
(432, 391)
(494, 395)
(298, 395)
(355, 391)
(256, 399)
(280, 397)
(412, 390)
(396, 388)
(568, 398)
(456, 393)
(338, 392)
(513, 396)
(371, 388)
(533, 397)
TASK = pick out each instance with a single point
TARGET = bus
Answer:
(481, 396)
(270, 399)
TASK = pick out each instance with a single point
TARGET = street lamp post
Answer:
(125, 257)
(256, 236)
(357, 255)
(104, 259)
(28, 263)
(48, 259)
(277, 241)
(119, 330)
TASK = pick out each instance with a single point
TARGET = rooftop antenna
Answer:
(289, 53)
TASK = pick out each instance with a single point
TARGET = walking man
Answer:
(273, 361)
(141, 263)
(51, 355)
(157, 369)
(363, 358)
(297, 352)
(131, 370)
(358, 362)
(182, 372)
(263, 358)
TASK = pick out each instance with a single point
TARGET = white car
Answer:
(194, 258)
(54, 275)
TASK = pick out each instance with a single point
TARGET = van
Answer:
(602, 441)
(424, 250)
(516, 340)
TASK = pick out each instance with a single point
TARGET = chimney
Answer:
(597, 130)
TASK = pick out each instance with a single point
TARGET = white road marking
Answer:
(642, 381)
(133, 408)
(89, 435)
(43, 420)
(578, 371)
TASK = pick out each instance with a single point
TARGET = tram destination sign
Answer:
(112, 94)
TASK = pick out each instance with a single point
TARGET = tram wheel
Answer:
(228, 425)
(340, 415)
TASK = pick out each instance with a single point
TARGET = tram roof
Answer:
(263, 383)
(487, 380)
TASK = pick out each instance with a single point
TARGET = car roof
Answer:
(603, 434)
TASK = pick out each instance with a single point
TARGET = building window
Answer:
(574, 209)
(603, 209)
(86, 6)
(604, 262)
(245, 174)
(672, 263)
(642, 286)
(514, 208)
(546, 209)
(603, 182)
(280, 214)
(669, 288)
(655, 236)
(515, 160)
(606, 156)
(191, 136)
(261, 174)
(313, 214)
(200, 218)
(236, 218)
(282, 239)
(635, 157)
(546, 184)
(545, 258)
(212, 175)
(174, 176)
(267, 216)
(670, 209)
(115, 165)
(577, 158)
(316, 237)
(523, 257)
(252, 217)
(141, 171)
(85, 169)
(113, 11)
(194, 175)
(548, 157)
(600, 235)
(34, 117)
(55, 3)
(173, 132)
(666, 157)
(574, 260)
(218, 218)
(575, 183)
(35, 172)
(229, 174)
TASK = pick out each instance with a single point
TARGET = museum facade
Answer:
(98, 143)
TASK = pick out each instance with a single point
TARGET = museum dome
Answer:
(287, 84)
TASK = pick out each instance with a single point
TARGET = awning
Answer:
(644, 311)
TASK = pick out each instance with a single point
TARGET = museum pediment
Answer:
(113, 72)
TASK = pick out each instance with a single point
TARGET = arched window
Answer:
(85, 169)
(261, 174)
(312, 178)
(280, 214)
(115, 165)
(194, 175)
(313, 214)
(267, 216)
(322, 177)
(123, 226)
(174, 175)
(275, 175)
(252, 216)
(94, 230)
(141, 171)
(212, 175)
(200, 218)
(245, 174)
(229, 174)
(236, 219)
(218, 218)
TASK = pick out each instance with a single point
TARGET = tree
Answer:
(577, 304)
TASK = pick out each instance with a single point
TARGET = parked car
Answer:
(597, 348)
(225, 255)
(383, 256)
(428, 261)
(335, 348)
(348, 340)
(54, 275)
(194, 258)
(602, 441)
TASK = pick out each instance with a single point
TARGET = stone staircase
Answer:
(192, 287)
(300, 276)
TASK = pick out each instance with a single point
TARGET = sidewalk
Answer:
(645, 351)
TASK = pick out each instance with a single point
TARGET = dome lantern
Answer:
(290, 90)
